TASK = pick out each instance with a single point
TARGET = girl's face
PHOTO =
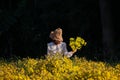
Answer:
(57, 42)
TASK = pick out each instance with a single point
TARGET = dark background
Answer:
(25, 26)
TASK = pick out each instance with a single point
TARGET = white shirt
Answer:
(61, 48)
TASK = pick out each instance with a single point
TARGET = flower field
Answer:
(58, 68)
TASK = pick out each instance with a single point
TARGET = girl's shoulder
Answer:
(50, 43)
(63, 43)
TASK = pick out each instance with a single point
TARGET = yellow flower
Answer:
(72, 39)
(77, 43)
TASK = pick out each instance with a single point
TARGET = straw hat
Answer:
(56, 34)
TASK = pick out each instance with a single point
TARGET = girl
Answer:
(57, 45)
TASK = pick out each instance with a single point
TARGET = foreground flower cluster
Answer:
(58, 68)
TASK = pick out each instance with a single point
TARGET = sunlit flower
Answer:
(58, 68)
(77, 43)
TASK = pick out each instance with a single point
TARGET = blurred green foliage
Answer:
(25, 25)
